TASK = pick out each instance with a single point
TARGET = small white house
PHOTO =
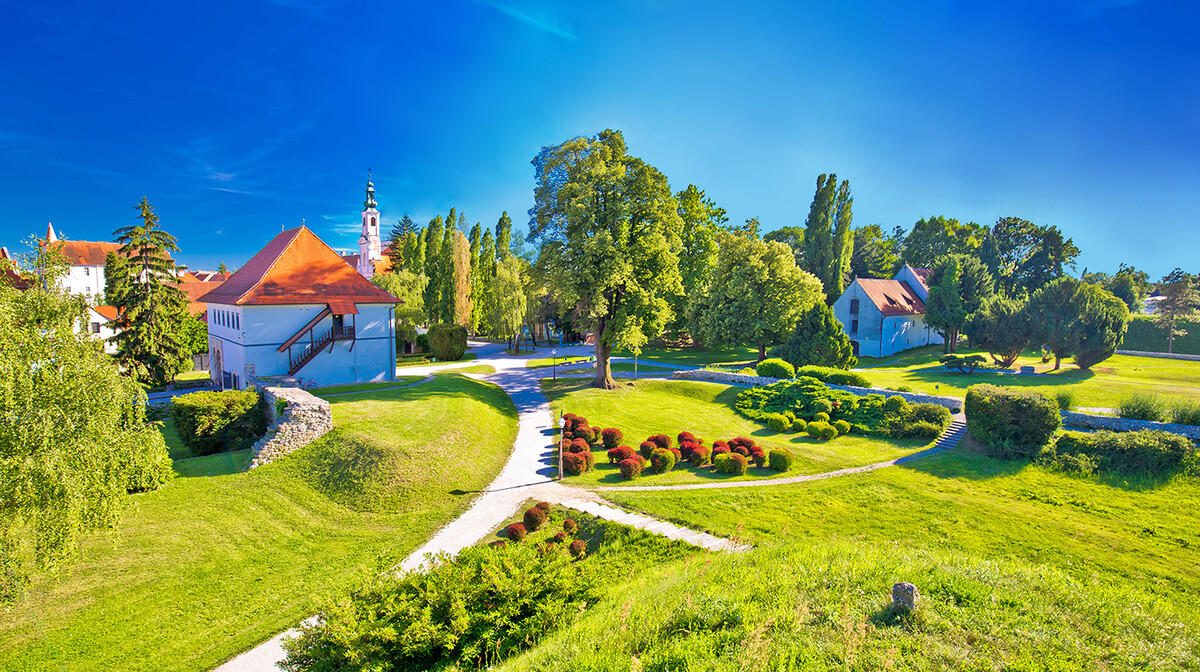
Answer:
(883, 317)
(297, 309)
(87, 258)
(101, 325)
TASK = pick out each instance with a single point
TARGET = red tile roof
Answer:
(923, 275)
(892, 297)
(87, 253)
(107, 312)
(194, 289)
(296, 267)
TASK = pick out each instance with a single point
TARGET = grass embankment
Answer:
(1104, 386)
(706, 410)
(426, 359)
(613, 366)
(206, 568)
(736, 356)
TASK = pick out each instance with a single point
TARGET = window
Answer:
(95, 327)
(339, 321)
(854, 307)
(87, 271)
(854, 326)
(237, 321)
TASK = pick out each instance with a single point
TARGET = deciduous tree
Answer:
(1179, 301)
(462, 280)
(793, 237)
(876, 254)
(506, 310)
(409, 287)
(938, 236)
(1001, 327)
(608, 226)
(701, 221)
(828, 238)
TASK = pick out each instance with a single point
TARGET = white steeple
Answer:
(50, 237)
(369, 249)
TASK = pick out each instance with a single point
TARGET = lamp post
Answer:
(554, 357)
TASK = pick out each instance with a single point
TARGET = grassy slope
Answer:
(705, 409)
(208, 567)
(1103, 386)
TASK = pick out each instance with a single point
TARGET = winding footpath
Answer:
(530, 474)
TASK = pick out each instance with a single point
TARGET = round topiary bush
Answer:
(619, 454)
(777, 422)
(516, 531)
(895, 405)
(578, 549)
(570, 526)
(660, 440)
(589, 460)
(816, 429)
(740, 450)
(686, 448)
(611, 437)
(544, 506)
(534, 518)
(741, 441)
(646, 448)
(574, 464)
(447, 342)
(842, 427)
(821, 417)
(775, 368)
(588, 433)
(662, 460)
(578, 446)
(733, 463)
(720, 448)
(823, 406)
(558, 538)
(758, 457)
(798, 425)
(700, 456)
(687, 436)
(828, 432)
(919, 430)
(781, 459)
(631, 468)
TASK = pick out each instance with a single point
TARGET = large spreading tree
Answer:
(609, 230)
(1025, 256)
(755, 295)
(1001, 327)
(958, 286)
(1179, 301)
(1073, 318)
(828, 238)
(151, 309)
(938, 236)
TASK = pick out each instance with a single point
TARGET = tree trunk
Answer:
(762, 351)
(1057, 362)
(1170, 334)
(604, 379)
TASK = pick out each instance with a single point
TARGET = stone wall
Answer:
(305, 418)
(1163, 355)
(953, 403)
(1086, 421)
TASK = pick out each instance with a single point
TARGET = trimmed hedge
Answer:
(781, 459)
(212, 422)
(447, 342)
(1010, 423)
(611, 437)
(828, 374)
(700, 456)
(632, 468)
(620, 454)
(1150, 451)
(534, 518)
(778, 422)
(731, 463)
(775, 368)
(663, 460)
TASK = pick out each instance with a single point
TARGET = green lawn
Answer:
(422, 360)
(220, 464)
(177, 449)
(737, 356)
(192, 375)
(706, 410)
(1104, 386)
(400, 381)
(211, 565)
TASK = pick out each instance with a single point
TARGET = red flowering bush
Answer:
(545, 506)
(570, 526)
(619, 454)
(611, 437)
(758, 457)
(578, 549)
(587, 433)
(534, 518)
(719, 448)
(646, 448)
(721, 444)
(686, 448)
(662, 460)
(686, 436)
(741, 441)
(578, 446)
(575, 464)
(589, 460)
(660, 440)
(516, 531)
(497, 544)
(676, 452)
(558, 538)
(739, 449)
(632, 468)
(700, 456)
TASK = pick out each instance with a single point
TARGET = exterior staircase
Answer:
(953, 435)
(318, 343)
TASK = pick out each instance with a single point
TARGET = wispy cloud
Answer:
(540, 23)
(233, 191)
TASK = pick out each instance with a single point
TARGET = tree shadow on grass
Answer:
(443, 385)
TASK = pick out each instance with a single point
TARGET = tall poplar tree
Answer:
(607, 223)
(503, 236)
(486, 270)
(445, 307)
(433, 269)
(828, 236)
(461, 294)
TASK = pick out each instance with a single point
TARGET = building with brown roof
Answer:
(87, 258)
(883, 317)
(297, 309)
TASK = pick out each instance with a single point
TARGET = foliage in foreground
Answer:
(1010, 423)
(826, 606)
(1152, 452)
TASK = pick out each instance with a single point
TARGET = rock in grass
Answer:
(905, 597)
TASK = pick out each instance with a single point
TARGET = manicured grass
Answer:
(1103, 386)
(422, 360)
(206, 568)
(400, 381)
(479, 368)
(220, 464)
(550, 361)
(706, 410)
(192, 375)
(176, 448)
(737, 356)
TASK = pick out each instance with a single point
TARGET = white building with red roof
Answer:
(883, 317)
(298, 309)
(87, 258)
(370, 259)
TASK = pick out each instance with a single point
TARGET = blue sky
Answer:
(237, 119)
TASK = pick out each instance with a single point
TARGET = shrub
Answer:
(781, 459)
(919, 430)
(678, 455)
(1065, 400)
(842, 427)
(534, 518)
(700, 456)
(1010, 423)
(578, 446)
(832, 376)
(589, 460)
(687, 436)
(895, 405)
(578, 549)
(574, 464)
(587, 433)
(646, 448)
(732, 463)
(828, 432)
(775, 368)
(660, 440)
(798, 425)
(739, 449)
(741, 441)
(820, 417)
(423, 342)
(447, 342)
(620, 454)
(631, 468)
(758, 457)
(720, 447)
(1148, 451)
(686, 448)
(778, 422)
(558, 538)
(662, 460)
(1141, 406)
(570, 526)
(823, 406)
(611, 437)
(1185, 412)
(212, 422)
(516, 531)
(544, 506)
(821, 431)
(931, 413)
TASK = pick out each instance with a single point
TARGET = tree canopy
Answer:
(938, 236)
(818, 340)
(1073, 318)
(1179, 301)
(959, 284)
(1001, 327)
(828, 238)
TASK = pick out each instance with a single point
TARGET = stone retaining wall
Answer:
(1086, 421)
(1163, 355)
(305, 418)
(953, 403)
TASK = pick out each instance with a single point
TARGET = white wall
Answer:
(878, 336)
(85, 281)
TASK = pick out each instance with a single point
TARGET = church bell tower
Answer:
(369, 249)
